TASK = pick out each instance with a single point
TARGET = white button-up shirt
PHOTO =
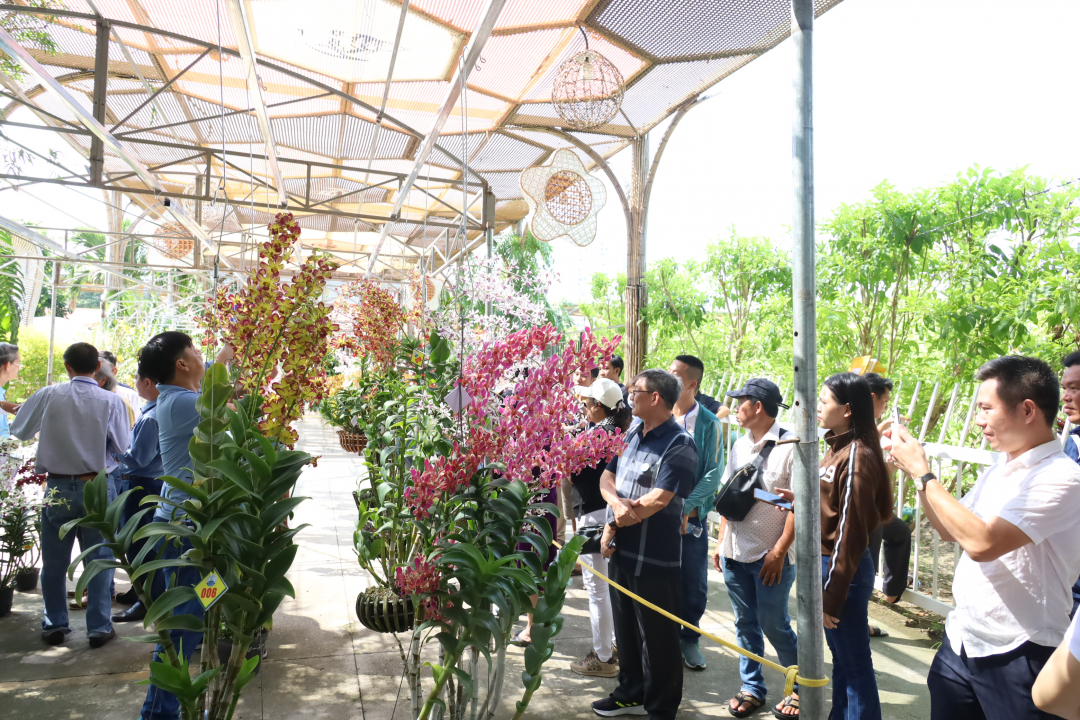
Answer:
(1025, 595)
(748, 540)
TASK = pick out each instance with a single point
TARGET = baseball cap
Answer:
(604, 391)
(760, 389)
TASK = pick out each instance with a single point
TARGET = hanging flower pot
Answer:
(352, 442)
(384, 611)
(26, 579)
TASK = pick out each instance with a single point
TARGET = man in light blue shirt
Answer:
(141, 472)
(173, 359)
(81, 428)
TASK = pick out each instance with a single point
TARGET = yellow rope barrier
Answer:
(791, 674)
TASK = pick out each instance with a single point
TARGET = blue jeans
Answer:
(159, 704)
(140, 488)
(760, 611)
(855, 693)
(56, 556)
(695, 579)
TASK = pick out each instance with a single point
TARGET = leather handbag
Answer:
(592, 535)
(736, 498)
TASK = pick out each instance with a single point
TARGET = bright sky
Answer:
(913, 92)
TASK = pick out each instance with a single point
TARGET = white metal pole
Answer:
(804, 412)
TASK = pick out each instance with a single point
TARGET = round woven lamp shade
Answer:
(172, 240)
(588, 90)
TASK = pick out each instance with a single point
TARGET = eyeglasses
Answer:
(635, 391)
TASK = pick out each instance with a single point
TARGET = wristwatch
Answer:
(920, 482)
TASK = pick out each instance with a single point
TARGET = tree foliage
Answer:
(933, 282)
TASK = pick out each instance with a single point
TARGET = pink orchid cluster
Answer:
(531, 427)
(420, 578)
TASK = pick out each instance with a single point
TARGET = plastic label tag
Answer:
(210, 589)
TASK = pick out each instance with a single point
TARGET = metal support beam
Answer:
(804, 409)
(101, 81)
(42, 241)
(18, 53)
(246, 46)
(488, 16)
(636, 331)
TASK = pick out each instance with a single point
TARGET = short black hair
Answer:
(694, 363)
(8, 353)
(878, 385)
(617, 363)
(661, 381)
(595, 372)
(108, 355)
(1023, 378)
(1068, 361)
(82, 357)
(158, 357)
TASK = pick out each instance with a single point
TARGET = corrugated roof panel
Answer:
(353, 41)
(505, 153)
(510, 62)
(205, 20)
(649, 100)
(526, 13)
(460, 14)
(416, 105)
(699, 27)
(505, 185)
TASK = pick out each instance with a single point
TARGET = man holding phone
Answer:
(756, 554)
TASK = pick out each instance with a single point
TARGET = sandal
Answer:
(744, 698)
(876, 632)
(789, 702)
(520, 641)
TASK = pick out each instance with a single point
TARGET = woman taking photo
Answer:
(854, 489)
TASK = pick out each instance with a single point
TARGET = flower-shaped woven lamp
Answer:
(588, 90)
(563, 199)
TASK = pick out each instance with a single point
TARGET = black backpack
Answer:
(737, 496)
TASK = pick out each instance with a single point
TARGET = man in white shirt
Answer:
(756, 554)
(1021, 542)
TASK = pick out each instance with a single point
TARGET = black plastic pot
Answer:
(257, 647)
(26, 579)
(384, 612)
(7, 594)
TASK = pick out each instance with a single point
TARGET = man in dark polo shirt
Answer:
(645, 489)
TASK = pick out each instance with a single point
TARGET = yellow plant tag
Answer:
(210, 589)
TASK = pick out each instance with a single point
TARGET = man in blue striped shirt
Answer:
(81, 428)
(1070, 400)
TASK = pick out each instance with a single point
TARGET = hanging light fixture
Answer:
(588, 89)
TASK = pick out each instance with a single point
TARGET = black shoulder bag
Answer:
(737, 497)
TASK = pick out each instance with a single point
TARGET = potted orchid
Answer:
(21, 501)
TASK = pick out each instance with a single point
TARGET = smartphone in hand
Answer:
(772, 499)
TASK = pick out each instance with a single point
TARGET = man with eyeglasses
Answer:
(645, 489)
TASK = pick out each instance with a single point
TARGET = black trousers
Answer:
(650, 654)
(895, 534)
(997, 687)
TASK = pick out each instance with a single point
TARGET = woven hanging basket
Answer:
(380, 610)
(588, 90)
(352, 442)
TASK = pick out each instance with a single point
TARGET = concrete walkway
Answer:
(324, 664)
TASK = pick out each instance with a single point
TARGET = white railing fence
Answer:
(958, 456)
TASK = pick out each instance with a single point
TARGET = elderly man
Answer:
(1021, 544)
(645, 489)
(81, 428)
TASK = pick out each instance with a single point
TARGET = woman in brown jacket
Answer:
(854, 500)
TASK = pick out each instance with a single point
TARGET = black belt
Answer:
(61, 476)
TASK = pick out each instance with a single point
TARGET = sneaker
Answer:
(692, 656)
(610, 707)
(592, 665)
(97, 639)
(614, 654)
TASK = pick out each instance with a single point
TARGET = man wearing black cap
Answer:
(756, 554)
